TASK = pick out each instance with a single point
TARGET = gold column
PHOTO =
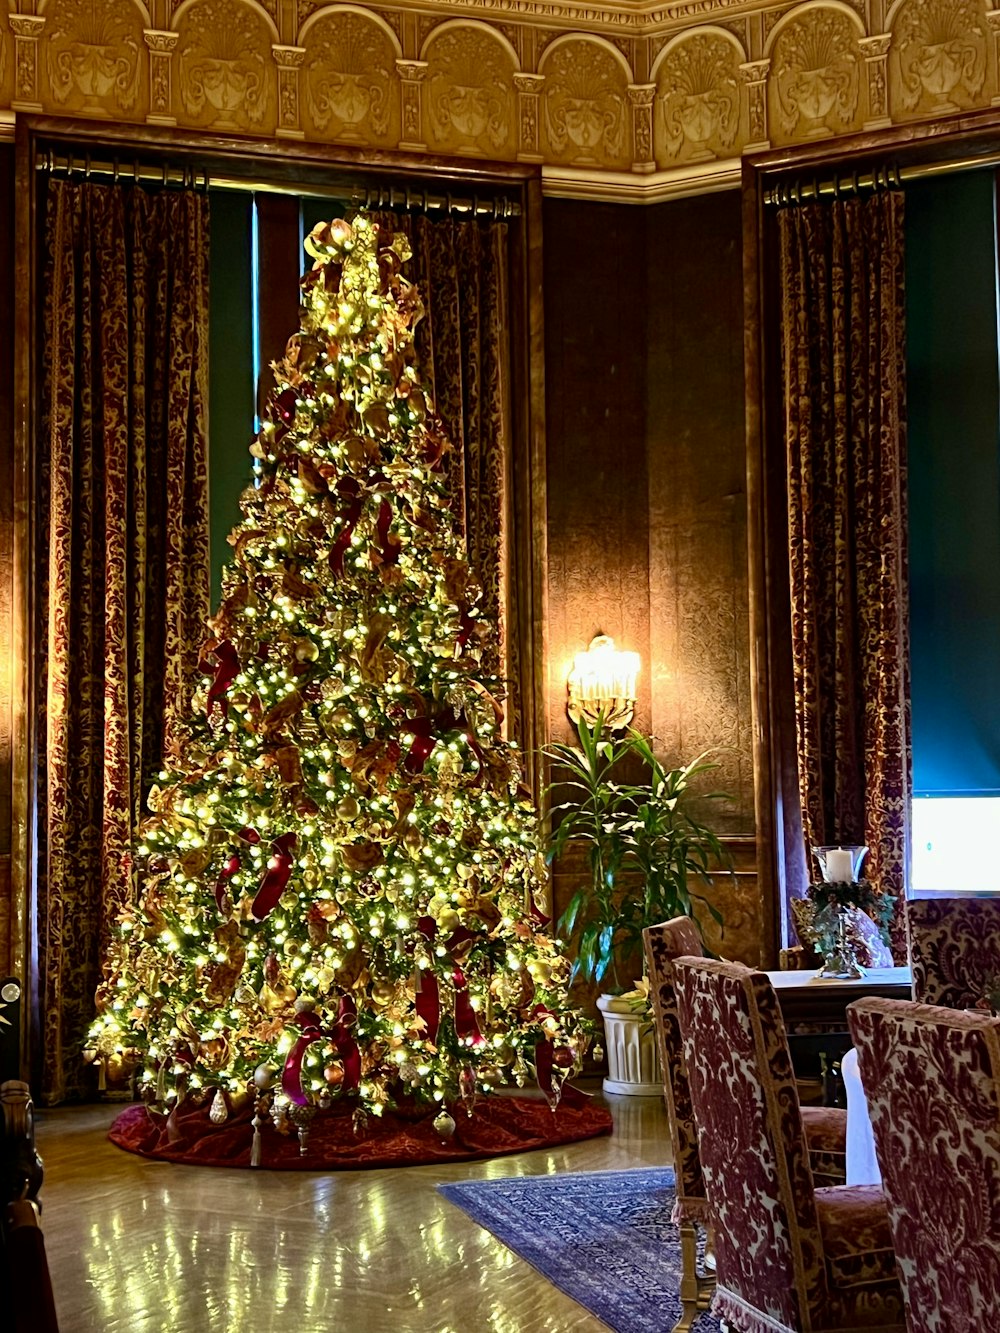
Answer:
(641, 96)
(876, 53)
(755, 77)
(412, 74)
(27, 30)
(289, 61)
(161, 47)
(529, 87)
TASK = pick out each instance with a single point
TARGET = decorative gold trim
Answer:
(601, 92)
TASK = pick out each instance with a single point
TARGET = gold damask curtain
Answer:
(463, 344)
(123, 555)
(843, 358)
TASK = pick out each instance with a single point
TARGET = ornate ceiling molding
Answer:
(620, 100)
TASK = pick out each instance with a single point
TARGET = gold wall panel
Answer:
(585, 121)
(470, 104)
(349, 86)
(617, 99)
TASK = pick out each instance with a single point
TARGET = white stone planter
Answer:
(630, 1041)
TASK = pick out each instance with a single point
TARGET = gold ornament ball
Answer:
(263, 1077)
(383, 992)
(444, 1125)
(334, 1074)
(306, 650)
(348, 808)
(290, 948)
(464, 871)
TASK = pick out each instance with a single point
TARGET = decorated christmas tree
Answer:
(338, 882)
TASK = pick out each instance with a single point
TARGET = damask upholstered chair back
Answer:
(752, 1145)
(790, 1258)
(663, 943)
(932, 1082)
(954, 949)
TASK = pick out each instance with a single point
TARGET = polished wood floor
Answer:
(138, 1247)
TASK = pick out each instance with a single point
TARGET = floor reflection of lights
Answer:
(141, 1247)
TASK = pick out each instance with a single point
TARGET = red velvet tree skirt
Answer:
(498, 1125)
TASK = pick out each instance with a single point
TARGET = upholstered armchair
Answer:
(790, 1257)
(954, 949)
(825, 1127)
(932, 1083)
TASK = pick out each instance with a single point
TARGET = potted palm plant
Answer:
(649, 857)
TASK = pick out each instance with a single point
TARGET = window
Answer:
(953, 394)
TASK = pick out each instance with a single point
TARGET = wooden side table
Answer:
(815, 1014)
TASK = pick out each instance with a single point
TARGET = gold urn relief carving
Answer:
(816, 73)
(469, 93)
(93, 52)
(349, 79)
(585, 105)
(698, 99)
(940, 48)
(222, 71)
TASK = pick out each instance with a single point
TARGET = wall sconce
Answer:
(602, 683)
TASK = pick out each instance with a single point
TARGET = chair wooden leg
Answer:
(696, 1291)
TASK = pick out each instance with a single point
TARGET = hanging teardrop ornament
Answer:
(219, 1110)
(467, 1088)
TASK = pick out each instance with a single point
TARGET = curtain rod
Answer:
(877, 178)
(391, 197)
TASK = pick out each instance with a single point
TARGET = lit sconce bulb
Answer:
(602, 683)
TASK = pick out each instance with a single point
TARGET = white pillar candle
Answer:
(838, 866)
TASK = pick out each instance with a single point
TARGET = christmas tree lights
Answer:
(338, 878)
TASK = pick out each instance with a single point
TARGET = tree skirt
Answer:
(498, 1125)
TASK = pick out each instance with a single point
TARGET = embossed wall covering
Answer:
(349, 87)
(816, 75)
(584, 123)
(700, 111)
(226, 77)
(469, 98)
(940, 54)
(96, 57)
(616, 100)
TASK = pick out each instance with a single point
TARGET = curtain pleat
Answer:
(843, 358)
(124, 559)
(463, 346)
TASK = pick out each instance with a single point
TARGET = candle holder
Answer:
(840, 864)
(840, 893)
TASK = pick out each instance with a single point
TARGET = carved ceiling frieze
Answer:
(623, 99)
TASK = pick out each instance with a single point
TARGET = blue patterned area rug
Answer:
(603, 1237)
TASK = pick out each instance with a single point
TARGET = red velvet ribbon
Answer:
(276, 876)
(291, 1075)
(225, 875)
(249, 834)
(346, 1043)
(466, 1026)
(389, 549)
(428, 998)
(225, 673)
(543, 1054)
(428, 1002)
(342, 1037)
(423, 729)
(348, 489)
